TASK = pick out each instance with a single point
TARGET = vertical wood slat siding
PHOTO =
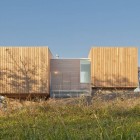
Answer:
(37, 57)
(114, 67)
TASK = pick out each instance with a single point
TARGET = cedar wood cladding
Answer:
(114, 67)
(24, 69)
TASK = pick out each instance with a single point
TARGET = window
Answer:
(84, 71)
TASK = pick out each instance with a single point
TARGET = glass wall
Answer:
(85, 71)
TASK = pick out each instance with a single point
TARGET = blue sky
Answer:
(70, 27)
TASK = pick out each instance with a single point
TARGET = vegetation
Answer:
(72, 119)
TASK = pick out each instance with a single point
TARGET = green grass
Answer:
(113, 120)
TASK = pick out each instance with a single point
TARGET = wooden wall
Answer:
(24, 69)
(114, 67)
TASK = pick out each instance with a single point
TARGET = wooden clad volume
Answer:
(114, 67)
(24, 70)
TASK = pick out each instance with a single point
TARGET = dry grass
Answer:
(71, 119)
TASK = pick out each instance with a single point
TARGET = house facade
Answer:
(70, 77)
(34, 71)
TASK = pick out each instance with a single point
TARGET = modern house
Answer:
(34, 71)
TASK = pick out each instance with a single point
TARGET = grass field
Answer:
(71, 119)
